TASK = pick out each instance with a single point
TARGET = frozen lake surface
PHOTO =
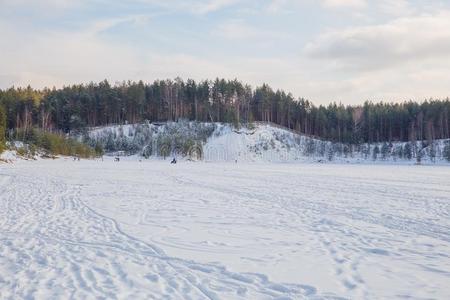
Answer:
(143, 230)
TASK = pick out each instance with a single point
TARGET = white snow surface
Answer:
(151, 230)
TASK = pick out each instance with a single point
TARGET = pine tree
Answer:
(446, 152)
(407, 151)
(310, 148)
(432, 152)
(384, 150)
(419, 156)
(2, 129)
(366, 151)
(330, 152)
(375, 153)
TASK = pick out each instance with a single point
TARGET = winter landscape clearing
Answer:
(148, 229)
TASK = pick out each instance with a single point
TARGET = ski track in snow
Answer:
(223, 231)
(55, 246)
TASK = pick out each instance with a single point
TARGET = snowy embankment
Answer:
(217, 142)
(8, 156)
(151, 230)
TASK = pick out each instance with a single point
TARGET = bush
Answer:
(55, 144)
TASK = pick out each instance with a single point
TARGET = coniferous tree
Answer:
(2, 129)
(375, 153)
(419, 156)
(330, 153)
(407, 151)
(446, 153)
(72, 108)
(384, 150)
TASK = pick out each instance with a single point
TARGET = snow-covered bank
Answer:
(151, 230)
(8, 156)
(217, 142)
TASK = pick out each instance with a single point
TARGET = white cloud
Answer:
(344, 3)
(101, 25)
(43, 7)
(213, 5)
(407, 58)
(276, 6)
(240, 30)
(57, 57)
(192, 6)
(404, 40)
(397, 7)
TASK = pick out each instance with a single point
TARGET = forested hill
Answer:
(78, 106)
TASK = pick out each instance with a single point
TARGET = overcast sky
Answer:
(324, 50)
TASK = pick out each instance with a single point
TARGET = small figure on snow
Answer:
(174, 161)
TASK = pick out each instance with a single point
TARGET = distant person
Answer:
(174, 161)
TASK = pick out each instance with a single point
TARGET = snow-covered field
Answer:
(143, 230)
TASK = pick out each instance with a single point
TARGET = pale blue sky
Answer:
(323, 50)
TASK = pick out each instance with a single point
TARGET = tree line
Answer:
(75, 107)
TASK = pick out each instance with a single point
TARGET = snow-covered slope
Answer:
(273, 144)
(263, 142)
(8, 156)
